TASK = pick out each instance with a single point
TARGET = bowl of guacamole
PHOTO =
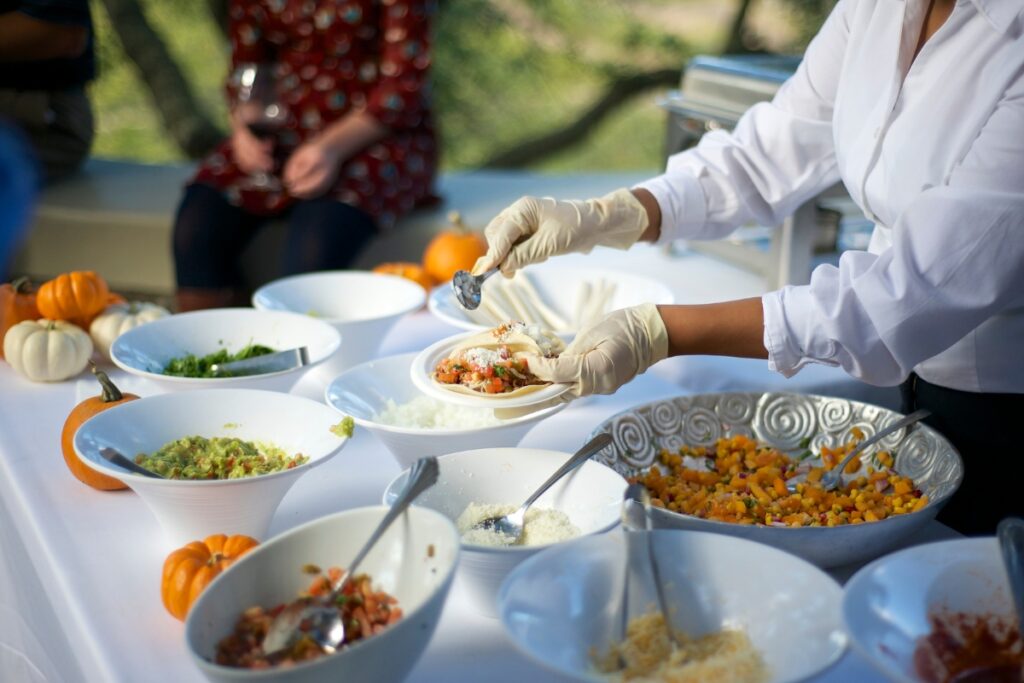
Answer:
(218, 457)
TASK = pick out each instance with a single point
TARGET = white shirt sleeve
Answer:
(780, 153)
(956, 260)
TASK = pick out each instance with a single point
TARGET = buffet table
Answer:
(80, 569)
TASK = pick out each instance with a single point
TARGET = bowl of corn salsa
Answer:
(720, 462)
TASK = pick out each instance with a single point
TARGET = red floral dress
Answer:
(336, 56)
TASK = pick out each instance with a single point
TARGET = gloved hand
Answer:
(534, 229)
(608, 354)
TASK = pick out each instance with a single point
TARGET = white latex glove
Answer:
(608, 354)
(534, 229)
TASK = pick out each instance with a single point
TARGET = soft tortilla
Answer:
(519, 344)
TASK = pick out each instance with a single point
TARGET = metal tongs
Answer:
(260, 365)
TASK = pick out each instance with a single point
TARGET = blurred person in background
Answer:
(18, 184)
(918, 107)
(354, 148)
(46, 59)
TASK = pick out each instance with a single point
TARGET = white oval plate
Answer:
(423, 367)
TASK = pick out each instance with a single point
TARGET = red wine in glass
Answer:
(258, 105)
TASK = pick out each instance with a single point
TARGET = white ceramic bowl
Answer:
(361, 305)
(364, 390)
(414, 561)
(189, 510)
(559, 287)
(785, 420)
(566, 600)
(887, 603)
(589, 496)
(146, 350)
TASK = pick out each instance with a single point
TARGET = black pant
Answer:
(988, 430)
(210, 234)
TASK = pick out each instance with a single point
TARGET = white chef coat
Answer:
(933, 152)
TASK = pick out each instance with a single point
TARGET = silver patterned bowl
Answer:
(785, 420)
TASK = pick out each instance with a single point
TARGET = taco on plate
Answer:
(492, 363)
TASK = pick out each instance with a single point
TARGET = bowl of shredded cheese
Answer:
(477, 484)
(742, 612)
(379, 397)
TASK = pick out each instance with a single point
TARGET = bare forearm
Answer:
(653, 210)
(732, 328)
(24, 38)
(353, 133)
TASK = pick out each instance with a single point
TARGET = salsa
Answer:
(365, 612)
(194, 366)
(489, 371)
(220, 457)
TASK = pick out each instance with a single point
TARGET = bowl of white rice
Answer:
(381, 399)
(487, 482)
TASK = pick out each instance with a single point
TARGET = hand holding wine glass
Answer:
(259, 115)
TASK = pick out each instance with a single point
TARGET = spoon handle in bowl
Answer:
(422, 476)
(578, 458)
(1011, 544)
(899, 424)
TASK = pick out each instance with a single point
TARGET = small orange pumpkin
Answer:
(454, 249)
(190, 569)
(408, 270)
(109, 397)
(17, 303)
(76, 297)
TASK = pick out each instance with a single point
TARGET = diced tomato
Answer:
(495, 386)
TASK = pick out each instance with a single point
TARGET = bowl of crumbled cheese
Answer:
(741, 611)
(380, 398)
(477, 484)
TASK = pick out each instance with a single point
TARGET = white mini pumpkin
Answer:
(117, 319)
(47, 350)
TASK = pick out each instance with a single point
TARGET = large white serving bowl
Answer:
(563, 604)
(189, 510)
(414, 561)
(361, 305)
(785, 420)
(886, 604)
(146, 350)
(363, 392)
(559, 286)
(590, 496)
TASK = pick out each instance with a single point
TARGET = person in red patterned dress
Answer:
(357, 150)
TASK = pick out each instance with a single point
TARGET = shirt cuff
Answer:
(681, 200)
(787, 312)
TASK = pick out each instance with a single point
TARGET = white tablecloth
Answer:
(94, 558)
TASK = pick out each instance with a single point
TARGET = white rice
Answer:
(541, 526)
(424, 412)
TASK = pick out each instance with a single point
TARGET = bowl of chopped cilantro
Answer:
(178, 352)
(227, 456)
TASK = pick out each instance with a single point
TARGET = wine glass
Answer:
(259, 105)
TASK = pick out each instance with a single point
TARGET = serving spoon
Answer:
(510, 526)
(834, 476)
(116, 458)
(636, 516)
(466, 287)
(322, 619)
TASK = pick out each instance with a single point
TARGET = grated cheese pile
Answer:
(424, 412)
(541, 526)
(723, 657)
(481, 357)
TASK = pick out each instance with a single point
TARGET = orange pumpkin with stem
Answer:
(17, 303)
(410, 271)
(454, 249)
(109, 397)
(188, 570)
(76, 297)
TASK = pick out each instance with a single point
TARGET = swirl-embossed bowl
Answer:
(785, 420)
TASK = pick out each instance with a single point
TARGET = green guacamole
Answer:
(191, 365)
(222, 457)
